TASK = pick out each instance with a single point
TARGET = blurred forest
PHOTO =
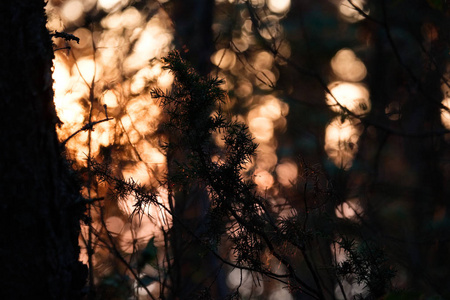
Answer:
(285, 150)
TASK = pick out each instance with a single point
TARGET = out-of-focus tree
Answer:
(41, 206)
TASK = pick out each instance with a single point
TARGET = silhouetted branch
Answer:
(87, 126)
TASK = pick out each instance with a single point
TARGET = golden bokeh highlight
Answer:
(244, 280)
(72, 11)
(279, 6)
(341, 142)
(349, 13)
(350, 209)
(287, 173)
(351, 96)
(445, 113)
(224, 59)
(107, 75)
(109, 5)
(351, 99)
(347, 66)
(263, 179)
(272, 28)
(267, 115)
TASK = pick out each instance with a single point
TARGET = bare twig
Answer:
(87, 126)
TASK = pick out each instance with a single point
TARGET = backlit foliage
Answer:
(347, 102)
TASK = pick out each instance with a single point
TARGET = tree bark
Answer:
(39, 215)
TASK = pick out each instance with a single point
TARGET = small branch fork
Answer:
(87, 126)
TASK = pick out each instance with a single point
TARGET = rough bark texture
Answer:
(39, 219)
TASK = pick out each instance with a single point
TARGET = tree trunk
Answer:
(193, 31)
(39, 218)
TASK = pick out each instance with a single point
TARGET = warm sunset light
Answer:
(72, 10)
(279, 6)
(263, 179)
(226, 149)
(445, 114)
(350, 209)
(109, 4)
(352, 96)
(287, 173)
(347, 66)
(341, 142)
(224, 59)
(243, 279)
(348, 11)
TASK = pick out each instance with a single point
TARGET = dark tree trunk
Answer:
(193, 20)
(39, 220)
(193, 31)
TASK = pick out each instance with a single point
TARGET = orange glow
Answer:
(279, 6)
(341, 142)
(137, 172)
(349, 209)
(61, 76)
(86, 69)
(117, 58)
(150, 44)
(263, 60)
(347, 66)
(245, 281)
(353, 96)
(268, 113)
(165, 80)
(445, 114)
(271, 109)
(72, 10)
(143, 115)
(262, 117)
(150, 154)
(287, 173)
(140, 80)
(272, 28)
(265, 80)
(240, 44)
(110, 99)
(266, 157)
(135, 235)
(341, 137)
(261, 128)
(349, 13)
(244, 88)
(224, 59)
(126, 241)
(109, 4)
(85, 36)
(130, 18)
(155, 217)
(263, 179)
(114, 225)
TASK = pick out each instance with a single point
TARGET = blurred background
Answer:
(355, 92)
